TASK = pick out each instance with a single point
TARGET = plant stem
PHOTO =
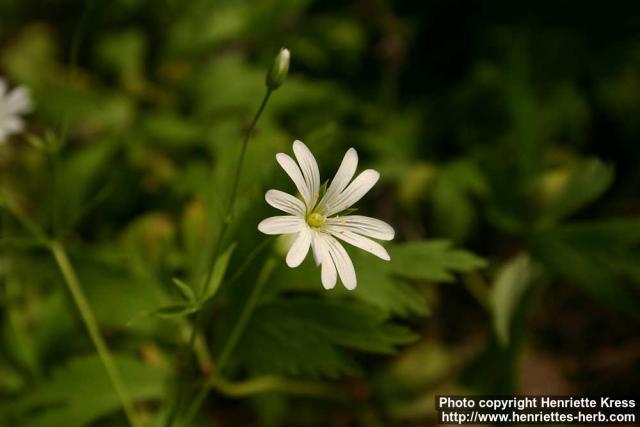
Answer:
(245, 315)
(232, 340)
(249, 259)
(73, 284)
(243, 150)
(270, 383)
(259, 385)
(199, 317)
(234, 188)
(256, 386)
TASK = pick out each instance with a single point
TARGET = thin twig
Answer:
(75, 289)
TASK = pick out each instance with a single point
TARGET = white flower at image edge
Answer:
(314, 220)
(13, 104)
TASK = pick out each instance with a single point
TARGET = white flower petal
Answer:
(285, 224)
(299, 249)
(364, 225)
(328, 273)
(315, 248)
(354, 192)
(291, 168)
(309, 168)
(359, 241)
(13, 124)
(285, 202)
(18, 101)
(345, 173)
(342, 262)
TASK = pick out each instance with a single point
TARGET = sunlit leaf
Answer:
(433, 260)
(511, 283)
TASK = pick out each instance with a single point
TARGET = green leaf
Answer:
(219, 269)
(432, 260)
(303, 336)
(175, 310)
(80, 392)
(77, 175)
(379, 288)
(184, 289)
(124, 54)
(384, 284)
(452, 195)
(509, 287)
(586, 182)
(598, 256)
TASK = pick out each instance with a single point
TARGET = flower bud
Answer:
(279, 70)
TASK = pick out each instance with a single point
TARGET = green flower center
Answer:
(315, 220)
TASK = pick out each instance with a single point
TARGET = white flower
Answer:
(314, 219)
(12, 105)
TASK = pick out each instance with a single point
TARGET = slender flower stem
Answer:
(73, 284)
(249, 259)
(199, 317)
(232, 340)
(267, 383)
(259, 385)
(243, 150)
(234, 189)
(245, 315)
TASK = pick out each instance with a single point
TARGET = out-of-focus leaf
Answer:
(19, 343)
(585, 182)
(433, 260)
(175, 310)
(203, 28)
(219, 269)
(31, 52)
(510, 285)
(307, 336)
(452, 193)
(76, 176)
(236, 85)
(408, 386)
(171, 130)
(414, 183)
(598, 256)
(124, 54)
(149, 240)
(80, 392)
(184, 289)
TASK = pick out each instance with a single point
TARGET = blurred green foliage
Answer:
(507, 139)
